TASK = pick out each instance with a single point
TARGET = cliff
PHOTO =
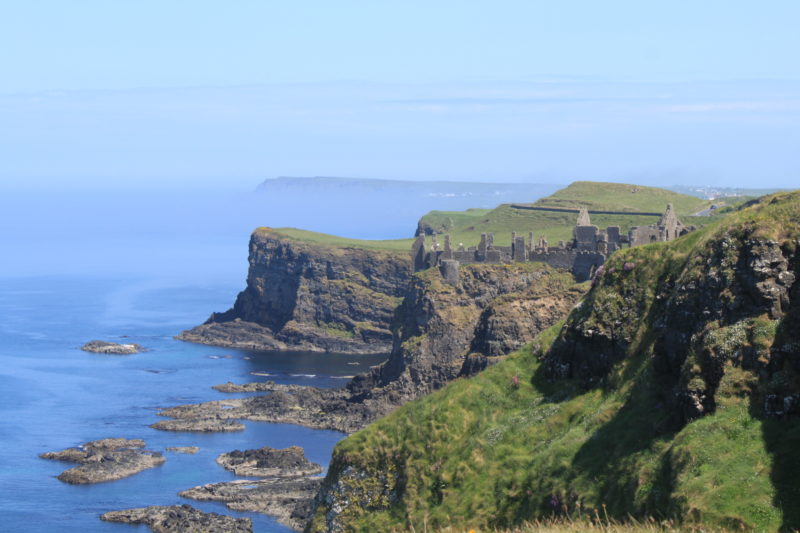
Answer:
(443, 331)
(440, 332)
(671, 391)
(332, 296)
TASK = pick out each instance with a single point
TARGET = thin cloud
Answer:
(785, 106)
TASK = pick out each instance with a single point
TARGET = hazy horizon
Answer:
(153, 95)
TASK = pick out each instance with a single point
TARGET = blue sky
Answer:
(225, 94)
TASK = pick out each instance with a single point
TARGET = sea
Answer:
(139, 267)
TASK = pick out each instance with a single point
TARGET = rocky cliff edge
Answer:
(311, 296)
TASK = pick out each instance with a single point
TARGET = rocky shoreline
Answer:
(179, 519)
(315, 408)
(289, 500)
(105, 460)
(286, 493)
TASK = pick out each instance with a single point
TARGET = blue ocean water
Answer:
(56, 396)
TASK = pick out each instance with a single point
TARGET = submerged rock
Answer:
(287, 499)
(113, 348)
(180, 519)
(269, 462)
(105, 460)
(183, 449)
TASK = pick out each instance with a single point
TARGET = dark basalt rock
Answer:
(269, 462)
(105, 460)
(313, 297)
(113, 348)
(442, 331)
(288, 499)
(202, 423)
(180, 519)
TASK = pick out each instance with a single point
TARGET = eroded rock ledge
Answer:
(105, 460)
(180, 519)
(202, 422)
(287, 404)
(269, 462)
(289, 500)
(286, 494)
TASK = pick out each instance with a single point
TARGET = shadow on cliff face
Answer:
(606, 455)
(781, 434)
(781, 439)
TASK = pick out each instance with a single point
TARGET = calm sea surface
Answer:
(56, 396)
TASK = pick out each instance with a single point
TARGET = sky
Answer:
(210, 94)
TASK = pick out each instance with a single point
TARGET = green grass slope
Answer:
(466, 226)
(514, 444)
(621, 197)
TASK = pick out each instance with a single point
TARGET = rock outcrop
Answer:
(180, 519)
(316, 297)
(287, 499)
(287, 494)
(443, 331)
(730, 303)
(201, 422)
(105, 460)
(269, 462)
(113, 348)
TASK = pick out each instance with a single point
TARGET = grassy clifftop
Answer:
(324, 239)
(466, 226)
(672, 391)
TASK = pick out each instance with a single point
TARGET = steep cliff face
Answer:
(720, 304)
(311, 296)
(671, 391)
(443, 331)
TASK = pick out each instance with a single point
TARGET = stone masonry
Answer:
(589, 248)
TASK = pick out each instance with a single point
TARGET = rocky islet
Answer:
(105, 460)
(111, 348)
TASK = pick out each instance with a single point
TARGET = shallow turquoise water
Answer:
(56, 396)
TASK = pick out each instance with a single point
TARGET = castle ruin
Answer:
(589, 248)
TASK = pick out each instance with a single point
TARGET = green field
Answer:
(621, 197)
(301, 235)
(465, 227)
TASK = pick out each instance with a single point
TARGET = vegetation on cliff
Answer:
(401, 246)
(671, 391)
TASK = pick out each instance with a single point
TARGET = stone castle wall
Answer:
(588, 250)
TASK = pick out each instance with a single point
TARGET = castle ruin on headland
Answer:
(589, 248)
